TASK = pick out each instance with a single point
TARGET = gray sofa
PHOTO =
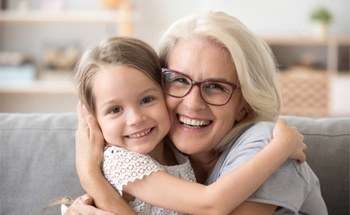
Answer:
(37, 160)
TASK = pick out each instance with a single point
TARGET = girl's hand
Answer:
(292, 138)
(89, 144)
(83, 205)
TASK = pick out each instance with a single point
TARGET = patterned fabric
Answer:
(121, 166)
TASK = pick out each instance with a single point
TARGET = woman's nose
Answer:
(193, 100)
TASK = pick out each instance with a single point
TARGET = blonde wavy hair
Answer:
(252, 57)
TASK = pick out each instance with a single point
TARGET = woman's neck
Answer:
(203, 164)
(163, 154)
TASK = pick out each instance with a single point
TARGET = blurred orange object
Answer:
(111, 4)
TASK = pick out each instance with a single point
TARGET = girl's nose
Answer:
(135, 116)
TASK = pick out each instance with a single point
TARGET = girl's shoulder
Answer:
(121, 156)
(121, 166)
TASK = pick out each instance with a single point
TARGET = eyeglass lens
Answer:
(213, 92)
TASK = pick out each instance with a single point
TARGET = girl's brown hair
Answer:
(114, 51)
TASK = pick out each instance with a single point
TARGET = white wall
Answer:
(265, 17)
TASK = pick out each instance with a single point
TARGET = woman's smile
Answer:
(192, 123)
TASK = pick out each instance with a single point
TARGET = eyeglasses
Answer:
(213, 92)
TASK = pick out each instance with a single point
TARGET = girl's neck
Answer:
(203, 164)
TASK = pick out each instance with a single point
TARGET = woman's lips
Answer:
(193, 123)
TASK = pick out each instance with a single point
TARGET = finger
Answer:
(302, 158)
(88, 209)
(82, 124)
(86, 199)
(281, 122)
(93, 128)
(82, 205)
(89, 118)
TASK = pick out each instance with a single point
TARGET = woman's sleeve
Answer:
(121, 166)
(289, 185)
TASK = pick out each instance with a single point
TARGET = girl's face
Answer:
(201, 59)
(130, 108)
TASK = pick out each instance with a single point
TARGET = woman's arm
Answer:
(170, 192)
(253, 208)
(89, 155)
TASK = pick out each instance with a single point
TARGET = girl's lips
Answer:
(140, 134)
(193, 123)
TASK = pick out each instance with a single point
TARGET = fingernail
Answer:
(85, 197)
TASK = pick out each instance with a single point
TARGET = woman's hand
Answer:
(83, 205)
(292, 137)
(89, 145)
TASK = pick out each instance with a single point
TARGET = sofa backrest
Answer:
(328, 152)
(37, 160)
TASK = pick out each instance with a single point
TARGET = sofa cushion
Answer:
(36, 162)
(328, 142)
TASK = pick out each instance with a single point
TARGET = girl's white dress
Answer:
(121, 166)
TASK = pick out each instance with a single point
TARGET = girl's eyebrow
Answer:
(113, 100)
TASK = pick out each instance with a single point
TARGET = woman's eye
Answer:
(217, 87)
(147, 99)
(115, 110)
(214, 85)
(181, 80)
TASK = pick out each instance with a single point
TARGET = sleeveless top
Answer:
(121, 166)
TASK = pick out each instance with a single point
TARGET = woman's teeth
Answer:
(140, 134)
(193, 122)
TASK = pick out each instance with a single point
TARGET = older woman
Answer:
(221, 132)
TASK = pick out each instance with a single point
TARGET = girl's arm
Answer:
(221, 197)
(229, 191)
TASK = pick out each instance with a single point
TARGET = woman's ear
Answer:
(242, 112)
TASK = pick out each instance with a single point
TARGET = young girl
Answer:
(119, 82)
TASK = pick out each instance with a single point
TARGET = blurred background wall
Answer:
(275, 20)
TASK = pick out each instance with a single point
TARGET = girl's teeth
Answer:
(140, 134)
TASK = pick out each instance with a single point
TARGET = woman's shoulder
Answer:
(264, 126)
(259, 132)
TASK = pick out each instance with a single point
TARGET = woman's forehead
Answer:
(203, 58)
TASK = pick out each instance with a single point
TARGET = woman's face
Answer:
(201, 59)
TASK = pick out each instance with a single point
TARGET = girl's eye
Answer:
(115, 110)
(147, 99)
